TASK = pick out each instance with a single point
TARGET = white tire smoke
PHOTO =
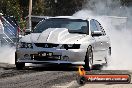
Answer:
(7, 55)
(121, 36)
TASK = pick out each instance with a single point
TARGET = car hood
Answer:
(53, 35)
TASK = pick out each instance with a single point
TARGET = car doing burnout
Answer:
(64, 40)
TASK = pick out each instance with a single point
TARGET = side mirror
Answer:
(96, 33)
(27, 31)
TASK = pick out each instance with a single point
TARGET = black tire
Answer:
(108, 57)
(88, 58)
(110, 51)
(19, 65)
(15, 57)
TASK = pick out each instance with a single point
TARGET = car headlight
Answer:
(70, 46)
(25, 45)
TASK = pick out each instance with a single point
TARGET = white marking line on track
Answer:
(66, 85)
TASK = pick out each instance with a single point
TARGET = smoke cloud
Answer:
(7, 55)
(116, 20)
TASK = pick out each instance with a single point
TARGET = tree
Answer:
(126, 2)
(63, 7)
(10, 7)
(38, 7)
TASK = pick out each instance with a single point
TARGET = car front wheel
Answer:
(88, 58)
(20, 66)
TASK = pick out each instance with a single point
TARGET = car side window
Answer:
(100, 27)
(93, 26)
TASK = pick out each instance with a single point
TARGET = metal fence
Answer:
(9, 33)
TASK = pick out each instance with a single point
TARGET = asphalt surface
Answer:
(55, 76)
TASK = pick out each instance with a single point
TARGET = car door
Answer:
(98, 45)
(104, 39)
(93, 27)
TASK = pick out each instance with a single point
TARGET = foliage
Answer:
(10, 7)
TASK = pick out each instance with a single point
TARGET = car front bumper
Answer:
(70, 56)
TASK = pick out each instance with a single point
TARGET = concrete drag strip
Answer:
(72, 84)
(51, 78)
(24, 81)
(34, 80)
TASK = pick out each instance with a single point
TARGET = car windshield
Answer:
(73, 25)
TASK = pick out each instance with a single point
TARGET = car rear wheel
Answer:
(88, 58)
(108, 56)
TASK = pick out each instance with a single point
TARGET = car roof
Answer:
(69, 17)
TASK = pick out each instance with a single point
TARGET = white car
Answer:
(65, 40)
